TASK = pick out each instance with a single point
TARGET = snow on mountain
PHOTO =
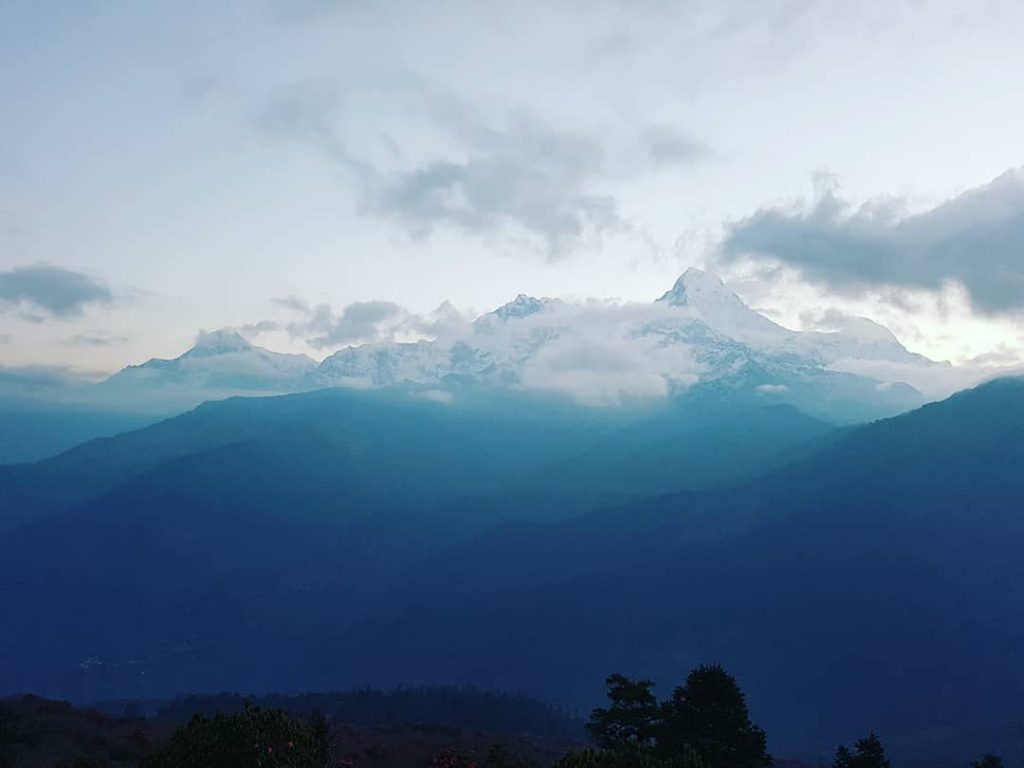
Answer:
(602, 354)
(221, 363)
(597, 353)
(705, 297)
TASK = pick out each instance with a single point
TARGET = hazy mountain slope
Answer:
(876, 585)
(699, 339)
(338, 492)
(40, 422)
(220, 361)
(29, 432)
(484, 444)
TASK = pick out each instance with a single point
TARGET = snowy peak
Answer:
(699, 289)
(521, 306)
(219, 364)
(863, 329)
(220, 342)
(703, 296)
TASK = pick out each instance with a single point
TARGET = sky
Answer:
(316, 172)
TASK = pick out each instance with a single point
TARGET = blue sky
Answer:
(169, 168)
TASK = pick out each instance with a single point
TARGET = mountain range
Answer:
(854, 577)
(698, 338)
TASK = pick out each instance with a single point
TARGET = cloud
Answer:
(360, 322)
(595, 353)
(975, 240)
(515, 174)
(39, 381)
(86, 340)
(52, 291)
(437, 396)
(294, 303)
(667, 146)
(524, 177)
(259, 328)
(1003, 356)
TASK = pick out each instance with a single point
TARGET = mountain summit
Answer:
(221, 342)
(705, 297)
(697, 288)
(699, 336)
(219, 364)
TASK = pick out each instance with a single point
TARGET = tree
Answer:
(709, 714)
(628, 757)
(988, 760)
(633, 718)
(253, 738)
(866, 753)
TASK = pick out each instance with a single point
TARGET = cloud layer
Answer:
(975, 239)
(514, 174)
(43, 290)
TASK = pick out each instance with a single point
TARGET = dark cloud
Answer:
(42, 291)
(975, 239)
(518, 174)
(359, 322)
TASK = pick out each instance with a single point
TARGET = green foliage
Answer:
(988, 760)
(866, 753)
(709, 713)
(253, 738)
(633, 718)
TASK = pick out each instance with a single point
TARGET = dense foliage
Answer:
(463, 707)
(705, 722)
(38, 733)
(866, 753)
(252, 738)
(634, 731)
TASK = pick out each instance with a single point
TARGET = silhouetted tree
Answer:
(628, 757)
(252, 738)
(988, 760)
(866, 753)
(633, 718)
(709, 714)
(500, 757)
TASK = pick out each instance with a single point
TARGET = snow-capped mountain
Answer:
(700, 332)
(220, 363)
(698, 335)
(705, 297)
